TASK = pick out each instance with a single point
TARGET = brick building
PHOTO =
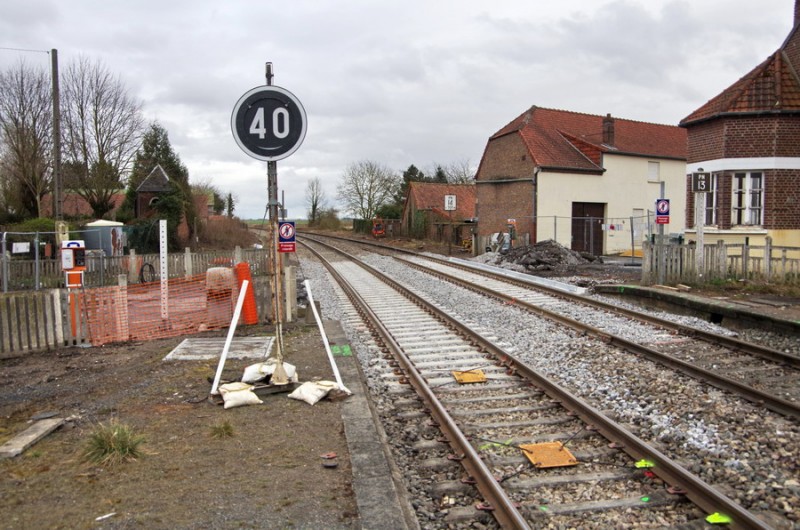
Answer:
(748, 139)
(424, 214)
(589, 182)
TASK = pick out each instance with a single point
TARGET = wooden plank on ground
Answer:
(29, 436)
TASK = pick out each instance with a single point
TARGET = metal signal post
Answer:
(269, 123)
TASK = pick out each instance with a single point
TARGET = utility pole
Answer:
(58, 189)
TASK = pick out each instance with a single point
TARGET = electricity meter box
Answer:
(73, 262)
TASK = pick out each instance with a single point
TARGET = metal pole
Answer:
(272, 189)
(633, 243)
(36, 261)
(660, 245)
(450, 239)
(58, 191)
(5, 264)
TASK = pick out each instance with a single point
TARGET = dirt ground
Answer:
(269, 474)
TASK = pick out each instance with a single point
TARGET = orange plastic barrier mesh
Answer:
(249, 309)
(139, 312)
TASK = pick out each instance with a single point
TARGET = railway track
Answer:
(758, 373)
(611, 478)
(761, 374)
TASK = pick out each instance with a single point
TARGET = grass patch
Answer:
(113, 444)
(222, 430)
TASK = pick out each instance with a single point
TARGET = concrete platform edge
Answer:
(701, 304)
(377, 483)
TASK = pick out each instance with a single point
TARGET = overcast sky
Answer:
(412, 82)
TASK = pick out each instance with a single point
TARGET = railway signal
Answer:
(269, 123)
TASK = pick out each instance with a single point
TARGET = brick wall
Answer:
(787, 137)
(505, 158)
(497, 203)
(705, 141)
(744, 137)
(782, 187)
(751, 137)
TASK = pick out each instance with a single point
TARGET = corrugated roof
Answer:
(430, 196)
(573, 140)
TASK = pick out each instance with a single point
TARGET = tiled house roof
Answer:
(559, 139)
(772, 86)
(430, 196)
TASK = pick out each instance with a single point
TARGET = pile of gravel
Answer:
(544, 256)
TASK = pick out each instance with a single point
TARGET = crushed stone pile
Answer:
(544, 256)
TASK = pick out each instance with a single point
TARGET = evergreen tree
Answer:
(412, 174)
(156, 150)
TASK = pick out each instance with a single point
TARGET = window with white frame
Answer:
(710, 202)
(653, 172)
(747, 198)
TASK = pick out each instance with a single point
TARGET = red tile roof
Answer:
(574, 141)
(772, 86)
(430, 196)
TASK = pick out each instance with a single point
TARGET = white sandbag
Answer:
(260, 371)
(238, 395)
(313, 391)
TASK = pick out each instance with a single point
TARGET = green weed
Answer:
(113, 444)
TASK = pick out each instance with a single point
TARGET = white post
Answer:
(325, 339)
(162, 255)
(231, 331)
(699, 221)
(187, 262)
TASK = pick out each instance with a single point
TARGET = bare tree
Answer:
(25, 138)
(103, 128)
(365, 187)
(316, 200)
(460, 172)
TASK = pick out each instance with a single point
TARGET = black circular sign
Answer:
(268, 123)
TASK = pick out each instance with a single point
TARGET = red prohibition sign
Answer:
(287, 231)
(662, 206)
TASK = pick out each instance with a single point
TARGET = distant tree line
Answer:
(368, 188)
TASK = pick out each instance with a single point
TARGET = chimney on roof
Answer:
(608, 129)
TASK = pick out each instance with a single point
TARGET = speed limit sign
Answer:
(268, 123)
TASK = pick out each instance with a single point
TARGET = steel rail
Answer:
(502, 507)
(698, 491)
(773, 403)
(731, 342)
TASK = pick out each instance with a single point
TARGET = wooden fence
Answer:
(677, 263)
